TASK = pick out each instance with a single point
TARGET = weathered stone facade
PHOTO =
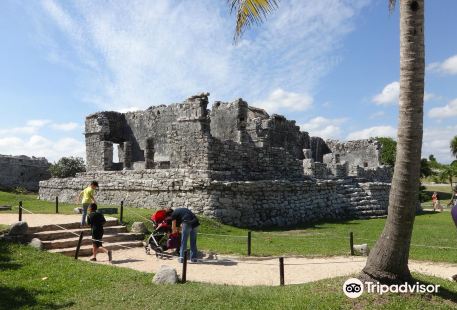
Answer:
(235, 163)
(22, 171)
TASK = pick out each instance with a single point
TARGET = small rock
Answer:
(18, 228)
(139, 227)
(78, 210)
(165, 275)
(36, 243)
(362, 249)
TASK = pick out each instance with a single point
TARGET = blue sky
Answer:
(331, 65)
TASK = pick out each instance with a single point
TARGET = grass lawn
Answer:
(31, 279)
(322, 239)
(444, 193)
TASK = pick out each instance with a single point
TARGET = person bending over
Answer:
(189, 226)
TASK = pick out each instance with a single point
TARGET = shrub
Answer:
(388, 150)
(67, 167)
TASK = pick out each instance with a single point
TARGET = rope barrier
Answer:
(244, 237)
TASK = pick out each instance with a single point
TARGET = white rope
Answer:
(233, 236)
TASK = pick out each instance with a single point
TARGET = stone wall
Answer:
(236, 163)
(22, 171)
(363, 153)
(254, 204)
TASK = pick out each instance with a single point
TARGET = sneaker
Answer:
(180, 260)
(93, 259)
(110, 256)
(193, 261)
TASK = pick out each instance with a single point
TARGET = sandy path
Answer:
(41, 219)
(262, 271)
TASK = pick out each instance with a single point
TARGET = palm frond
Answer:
(249, 12)
(392, 5)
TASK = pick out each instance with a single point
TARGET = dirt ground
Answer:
(262, 271)
(235, 270)
(41, 219)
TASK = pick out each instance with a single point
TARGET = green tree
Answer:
(388, 150)
(448, 173)
(388, 261)
(431, 157)
(426, 170)
(453, 146)
(67, 167)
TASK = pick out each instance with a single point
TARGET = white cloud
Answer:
(371, 132)
(280, 100)
(388, 95)
(40, 146)
(151, 52)
(325, 128)
(18, 131)
(65, 126)
(378, 114)
(449, 110)
(37, 122)
(129, 109)
(449, 66)
(30, 127)
(436, 141)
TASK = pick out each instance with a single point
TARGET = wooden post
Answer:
(122, 213)
(281, 271)
(184, 268)
(57, 204)
(351, 243)
(79, 245)
(20, 211)
(249, 242)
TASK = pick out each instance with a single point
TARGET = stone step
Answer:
(370, 212)
(74, 225)
(369, 217)
(367, 208)
(65, 234)
(72, 242)
(86, 250)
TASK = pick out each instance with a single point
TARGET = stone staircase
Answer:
(57, 240)
(360, 205)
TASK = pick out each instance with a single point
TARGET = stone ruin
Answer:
(22, 171)
(234, 162)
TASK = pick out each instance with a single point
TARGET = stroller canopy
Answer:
(159, 216)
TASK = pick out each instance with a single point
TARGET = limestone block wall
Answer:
(363, 153)
(22, 171)
(263, 203)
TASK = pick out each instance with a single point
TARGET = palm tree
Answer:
(448, 173)
(388, 261)
(453, 146)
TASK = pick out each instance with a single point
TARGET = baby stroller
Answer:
(161, 238)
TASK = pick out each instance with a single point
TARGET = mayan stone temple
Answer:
(234, 162)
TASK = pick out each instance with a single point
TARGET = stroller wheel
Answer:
(159, 252)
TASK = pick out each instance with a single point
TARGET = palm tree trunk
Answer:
(388, 261)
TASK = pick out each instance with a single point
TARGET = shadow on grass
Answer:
(442, 292)
(317, 225)
(5, 258)
(19, 298)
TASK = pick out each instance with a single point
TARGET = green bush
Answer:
(388, 151)
(67, 167)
